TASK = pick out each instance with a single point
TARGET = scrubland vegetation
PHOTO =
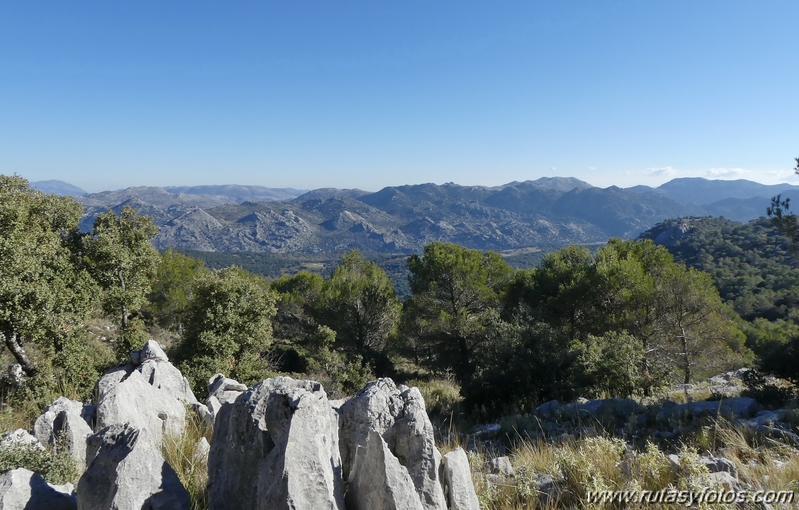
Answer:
(483, 341)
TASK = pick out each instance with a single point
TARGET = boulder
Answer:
(720, 464)
(398, 415)
(150, 410)
(548, 490)
(785, 436)
(204, 414)
(486, 429)
(128, 473)
(619, 408)
(113, 377)
(501, 466)
(276, 446)
(150, 351)
(547, 409)
(723, 479)
(22, 489)
(769, 418)
(66, 419)
(740, 407)
(221, 390)
(458, 481)
(202, 450)
(728, 384)
(377, 480)
(148, 393)
(225, 389)
(20, 438)
(154, 365)
(163, 375)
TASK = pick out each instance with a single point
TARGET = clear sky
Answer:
(367, 94)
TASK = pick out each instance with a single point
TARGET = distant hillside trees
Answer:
(783, 360)
(782, 218)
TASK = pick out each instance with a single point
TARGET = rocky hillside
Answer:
(544, 214)
(278, 444)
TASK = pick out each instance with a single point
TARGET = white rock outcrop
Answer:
(397, 414)
(20, 438)
(67, 419)
(148, 393)
(458, 481)
(221, 390)
(21, 489)
(276, 447)
(377, 480)
(135, 402)
(128, 473)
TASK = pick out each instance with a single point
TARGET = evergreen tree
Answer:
(455, 304)
(43, 295)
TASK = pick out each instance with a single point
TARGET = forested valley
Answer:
(628, 318)
(483, 340)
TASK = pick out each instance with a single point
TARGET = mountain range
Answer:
(543, 214)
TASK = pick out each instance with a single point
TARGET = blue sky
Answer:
(367, 94)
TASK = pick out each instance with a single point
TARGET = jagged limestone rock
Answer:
(153, 364)
(377, 480)
(148, 392)
(21, 489)
(398, 415)
(276, 447)
(501, 466)
(221, 390)
(128, 473)
(458, 481)
(20, 438)
(134, 401)
(68, 419)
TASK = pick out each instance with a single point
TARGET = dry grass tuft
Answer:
(191, 466)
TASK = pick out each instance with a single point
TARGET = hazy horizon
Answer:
(370, 190)
(367, 95)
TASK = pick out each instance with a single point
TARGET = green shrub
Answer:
(55, 464)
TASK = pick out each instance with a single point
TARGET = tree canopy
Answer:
(228, 327)
(456, 293)
(42, 293)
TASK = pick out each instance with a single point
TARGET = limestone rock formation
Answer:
(154, 365)
(20, 438)
(458, 481)
(148, 392)
(128, 473)
(68, 419)
(377, 480)
(221, 390)
(135, 402)
(398, 415)
(276, 447)
(21, 489)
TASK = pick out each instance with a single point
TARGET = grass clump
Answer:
(184, 454)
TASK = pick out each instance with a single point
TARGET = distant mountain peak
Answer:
(56, 187)
(564, 184)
